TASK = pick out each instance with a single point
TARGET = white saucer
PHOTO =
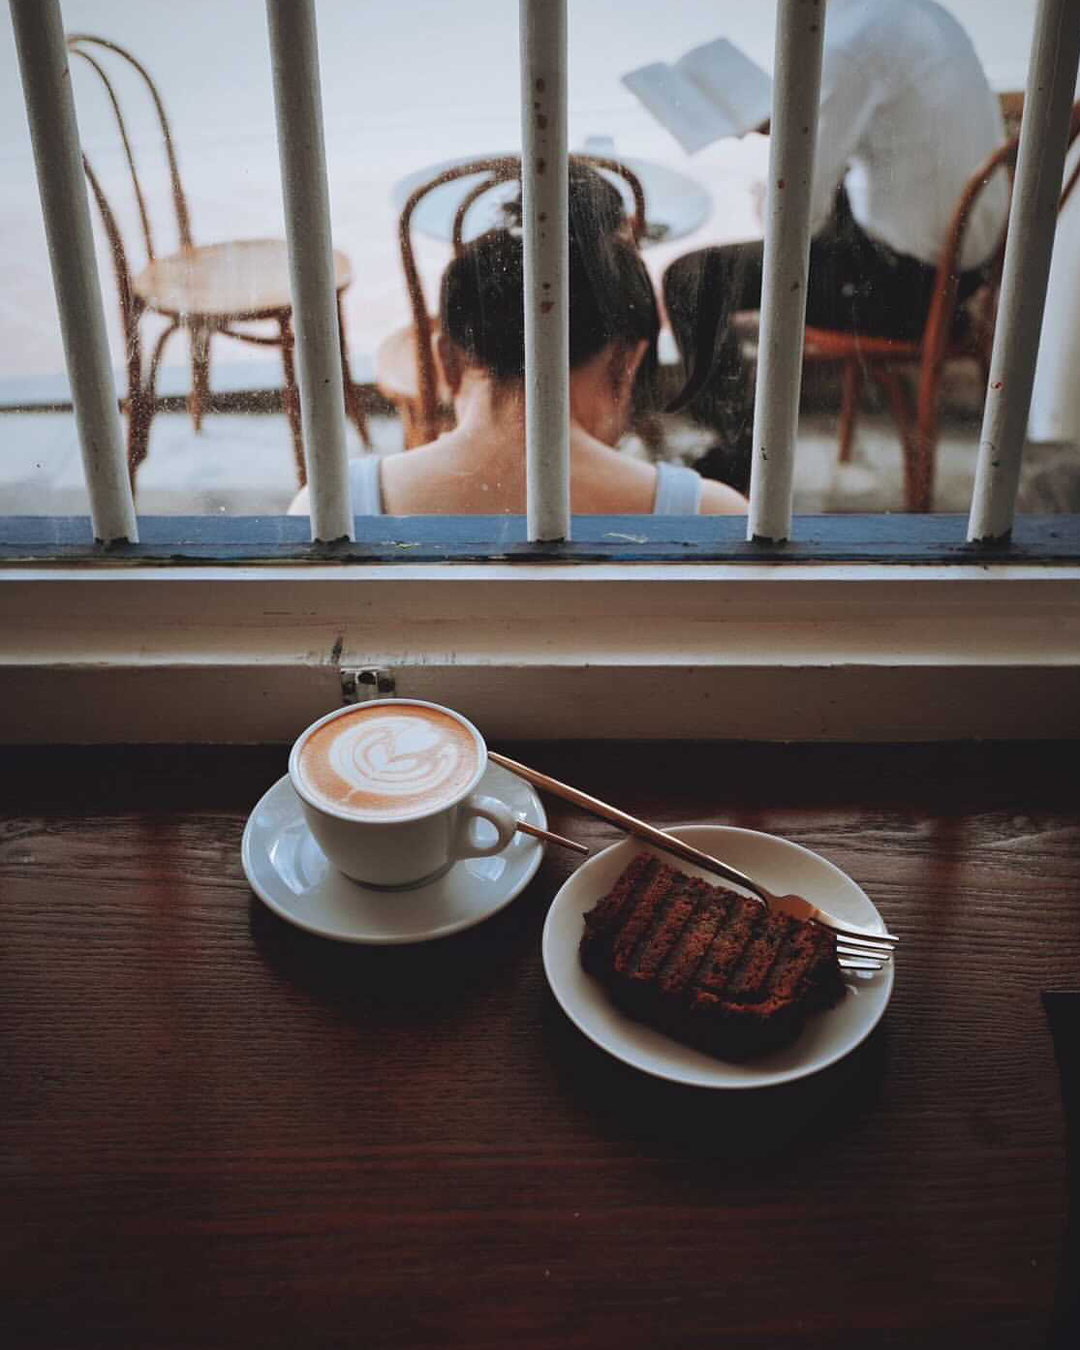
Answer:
(290, 873)
(781, 866)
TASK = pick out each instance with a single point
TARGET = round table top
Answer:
(242, 279)
(675, 205)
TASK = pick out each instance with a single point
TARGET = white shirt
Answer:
(906, 118)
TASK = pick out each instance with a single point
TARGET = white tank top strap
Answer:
(365, 486)
(678, 491)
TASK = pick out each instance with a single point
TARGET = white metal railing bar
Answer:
(294, 54)
(54, 132)
(800, 28)
(545, 208)
(1044, 129)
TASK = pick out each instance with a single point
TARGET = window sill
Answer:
(235, 540)
(132, 652)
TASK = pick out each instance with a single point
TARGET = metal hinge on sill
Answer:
(362, 684)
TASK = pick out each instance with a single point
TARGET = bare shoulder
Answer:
(607, 482)
(410, 477)
(717, 499)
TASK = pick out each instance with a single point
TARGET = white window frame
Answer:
(535, 650)
(125, 650)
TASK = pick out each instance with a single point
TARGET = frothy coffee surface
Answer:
(387, 762)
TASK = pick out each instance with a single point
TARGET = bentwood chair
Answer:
(953, 332)
(406, 365)
(203, 289)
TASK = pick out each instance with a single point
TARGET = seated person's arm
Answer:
(848, 102)
(717, 499)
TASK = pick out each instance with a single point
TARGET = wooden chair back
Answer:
(90, 48)
(494, 170)
(1074, 131)
(83, 45)
(944, 313)
(943, 336)
(942, 319)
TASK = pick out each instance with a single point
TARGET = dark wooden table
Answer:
(219, 1131)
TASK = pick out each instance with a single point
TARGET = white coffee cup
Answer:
(387, 790)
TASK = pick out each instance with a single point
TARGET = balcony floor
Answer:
(242, 464)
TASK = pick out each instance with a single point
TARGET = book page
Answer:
(729, 78)
(681, 105)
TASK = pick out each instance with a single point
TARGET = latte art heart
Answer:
(389, 762)
(396, 757)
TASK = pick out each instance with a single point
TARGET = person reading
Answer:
(906, 117)
(478, 468)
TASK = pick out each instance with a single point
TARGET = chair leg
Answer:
(291, 398)
(412, 431)
(132, 405)
(354, 406)
(141, 403)
(200, 373)
(926, 439)
(138, 431)
(892, 382)
(851, 380)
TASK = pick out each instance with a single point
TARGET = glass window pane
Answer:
(405, 91)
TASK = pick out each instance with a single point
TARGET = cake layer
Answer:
(705, 964)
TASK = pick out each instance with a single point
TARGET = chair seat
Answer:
(822, 344)
(396, 376)
(243, 279)
(827, 344)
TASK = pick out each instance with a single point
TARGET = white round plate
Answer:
(290, 873)
(781, 866)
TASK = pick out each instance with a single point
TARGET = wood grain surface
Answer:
(216, 1130)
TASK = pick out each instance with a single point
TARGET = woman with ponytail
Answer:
(478, 468)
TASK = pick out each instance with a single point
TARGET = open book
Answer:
(713, 91)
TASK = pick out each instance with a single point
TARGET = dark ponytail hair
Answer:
(482, 308)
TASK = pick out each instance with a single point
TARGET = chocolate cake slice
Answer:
(705, 964)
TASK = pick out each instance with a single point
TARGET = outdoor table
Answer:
(219, 1130)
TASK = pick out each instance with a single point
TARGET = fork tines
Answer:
(858, 955)
(862, 946)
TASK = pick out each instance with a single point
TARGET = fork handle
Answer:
(641, 829)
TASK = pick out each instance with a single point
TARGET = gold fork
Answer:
(859, 948)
